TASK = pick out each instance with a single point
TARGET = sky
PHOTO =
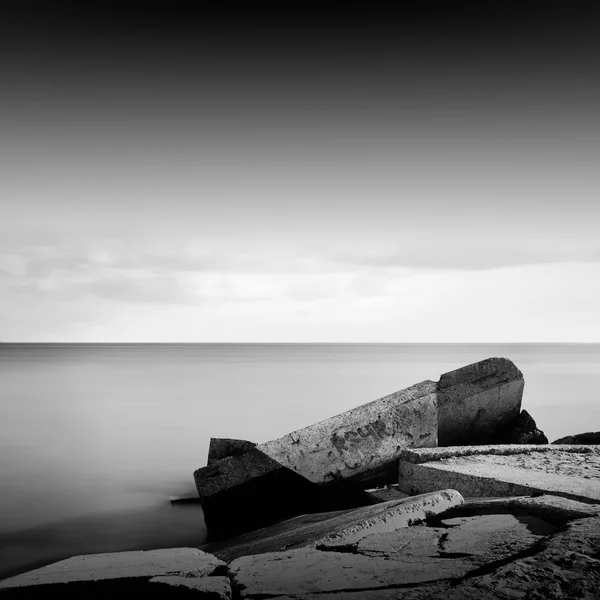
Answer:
(173, 174)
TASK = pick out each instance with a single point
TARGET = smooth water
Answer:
(95, 438)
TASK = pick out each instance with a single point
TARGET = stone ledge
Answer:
(423, 455)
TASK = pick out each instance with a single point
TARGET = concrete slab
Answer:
(190, 562)
(402, 515)
(361, 441)
(487, 471)
(336, 528)
(399, 559)
(555, 510)
(561, 566)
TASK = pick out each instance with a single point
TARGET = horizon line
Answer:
(214, 343)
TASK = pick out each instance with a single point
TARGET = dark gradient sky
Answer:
(172, 173)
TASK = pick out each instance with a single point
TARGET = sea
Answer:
(96, 439)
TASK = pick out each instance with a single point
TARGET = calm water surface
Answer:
(95, 439)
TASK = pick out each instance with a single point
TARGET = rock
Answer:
(589, 438)
(217, 588)
(357, 449)
(485, 551)
(398, 559)
(329, 528)
(478, 403)
(220, 448)
(361, 444)
(504, 470)
(188, 562)
(525, 431)
(249, 491)
(555, 510)
(565, 567)
(404, 513)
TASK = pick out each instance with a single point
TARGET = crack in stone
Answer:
(442, 542)
(490, 567)
(449, 581)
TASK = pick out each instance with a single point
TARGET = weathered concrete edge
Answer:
(212, 586)
(422, 478)
(418, 478)
(84, 568)
(404, 514)
(422, 455)
(557, 510)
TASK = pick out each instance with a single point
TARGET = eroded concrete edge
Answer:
(422, 455)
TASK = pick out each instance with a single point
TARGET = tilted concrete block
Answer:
(335, 458)
(364, 443)
(251, 490)
(479, 403)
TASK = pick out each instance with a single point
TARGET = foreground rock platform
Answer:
(504, 470)
(497, 549)
(336, 527)
(520, 547)
(82, 576)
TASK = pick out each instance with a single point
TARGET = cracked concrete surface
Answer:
(400, 559)
(534, 548)
(564, 565)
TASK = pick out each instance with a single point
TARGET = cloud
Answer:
(472, 253)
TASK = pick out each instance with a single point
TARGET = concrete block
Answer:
(355, 450)
(479, 403)
(119, 565)
(220, 448)
(361, 444)
(487, 471)
(400, 559)
(249, 491)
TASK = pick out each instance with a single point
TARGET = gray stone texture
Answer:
(568, 471)
(396, 559)
(391, 518)
(220, 448)
(479, 403)
(588, 438)
(525, 431)
(251, 490)
(494, 549)
(189, 562)
(349, 452)
(324, 528)
(361, 444)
